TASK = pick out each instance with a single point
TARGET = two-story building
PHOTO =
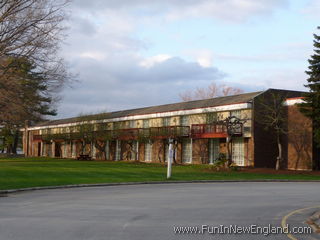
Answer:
(143, 134)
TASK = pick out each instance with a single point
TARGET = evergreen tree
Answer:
(311, 105)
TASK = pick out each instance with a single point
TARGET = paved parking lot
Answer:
(152, 211)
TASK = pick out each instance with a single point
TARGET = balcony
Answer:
(214, 130)
(208, 131)
(169, 132)
(122, 134)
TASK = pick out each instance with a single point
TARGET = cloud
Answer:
(312, 8)
(104, 48)
(229, 10)
(124, 83)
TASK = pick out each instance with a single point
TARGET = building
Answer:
(142, 134)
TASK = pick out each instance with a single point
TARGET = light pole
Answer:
(170, 158)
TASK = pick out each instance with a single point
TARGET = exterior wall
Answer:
(200, 151)
(299, 154)
(265, 142)
(260, 149)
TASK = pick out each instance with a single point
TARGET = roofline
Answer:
(225, 107)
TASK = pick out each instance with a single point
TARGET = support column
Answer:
(53, 149)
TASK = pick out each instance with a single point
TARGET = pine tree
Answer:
(311, 105)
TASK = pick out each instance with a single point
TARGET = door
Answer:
(186, 151)
(147, 152)
(238, 151)
(213, 149)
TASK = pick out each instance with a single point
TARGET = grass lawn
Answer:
(32, 172)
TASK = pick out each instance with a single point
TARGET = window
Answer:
(94, 150)
(132, 124)
(117, 125)
(118, 150)
(166, 121)
(213, 149)
(146, 123)
(107, 150)
(166, 152)
(211, 117)
(184, 120)
(238, 151)
(147, 152)
(236, 113)
(73, 150)
(186, 151)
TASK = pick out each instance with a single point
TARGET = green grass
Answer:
(34, 172)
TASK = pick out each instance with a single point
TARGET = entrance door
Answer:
(147, 152)
(213, 149)
(57, 150)
(238, 151)
(39, 149)
(186, 151)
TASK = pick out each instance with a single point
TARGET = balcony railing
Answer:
(214, 130)
(208, 131)
(169, 132)
(122, 134)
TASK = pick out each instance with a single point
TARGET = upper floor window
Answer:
(166, 121)
(236, 113)
(132, 124)
(146, 123)
(211, 117)
(184, 120)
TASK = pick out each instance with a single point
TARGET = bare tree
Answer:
(272, 115)
(31, 71)
(213, 90)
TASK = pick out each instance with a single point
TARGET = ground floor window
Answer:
(93, 150)
(64, 150)
(147, 152)
(238, 151)
(73, 149)
(118, 150)
(213, 149)
(186, 151)
(134, 150)
(107, 150)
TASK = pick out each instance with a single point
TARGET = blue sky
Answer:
(135, 53)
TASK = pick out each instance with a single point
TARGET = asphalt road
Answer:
(151, 211)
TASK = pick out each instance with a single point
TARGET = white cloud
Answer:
(151, 61)
(230, 10)
(312, 8)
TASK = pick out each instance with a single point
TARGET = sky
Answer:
(137, 53)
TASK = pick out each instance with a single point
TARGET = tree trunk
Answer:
(15, 142)
(279, 158)
(229, 150)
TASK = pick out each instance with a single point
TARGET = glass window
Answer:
(211, 117)
(147, 152)
(132, 124)
(186, 151)
(236, 113)
(213, 149)
(146, 123)
(238, 151)
(166, 121)
(184, 120)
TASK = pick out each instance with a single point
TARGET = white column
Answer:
(170, 159)
(191, 150)
(137, 151)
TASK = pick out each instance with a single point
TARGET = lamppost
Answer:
(170, 158)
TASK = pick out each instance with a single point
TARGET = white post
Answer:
(170, 159)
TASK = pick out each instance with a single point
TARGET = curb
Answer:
(314, 222)
(4, 192)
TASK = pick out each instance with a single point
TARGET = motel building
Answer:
(143, 134)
